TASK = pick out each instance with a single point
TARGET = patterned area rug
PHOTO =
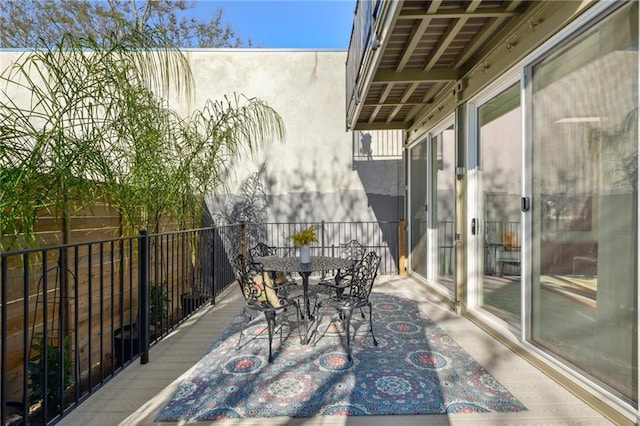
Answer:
(415, 369)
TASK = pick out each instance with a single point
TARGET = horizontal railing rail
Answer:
(75, 315)
(377, 145)
(382, 237)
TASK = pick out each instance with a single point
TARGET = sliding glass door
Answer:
(432, 206)
(443, 215)
(584, 147)
(497, 217)
(418, 168)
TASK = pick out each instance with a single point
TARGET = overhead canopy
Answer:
(417, 51)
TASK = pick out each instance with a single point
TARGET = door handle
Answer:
(473, 226)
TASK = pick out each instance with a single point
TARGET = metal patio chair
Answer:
(353, 251)
(262, 297)
(354, 296)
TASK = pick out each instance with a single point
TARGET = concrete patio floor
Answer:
(135, 396)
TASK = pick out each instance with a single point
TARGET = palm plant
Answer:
(56, 115)
(83, 119)
(215, 136)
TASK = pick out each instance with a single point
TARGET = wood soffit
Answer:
(429, 46)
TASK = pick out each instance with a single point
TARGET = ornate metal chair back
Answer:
(245, 274)
(353, 251)
(364, 275)
(261, 249)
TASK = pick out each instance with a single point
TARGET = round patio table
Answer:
(293, 264)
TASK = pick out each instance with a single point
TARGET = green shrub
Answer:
(58, 366)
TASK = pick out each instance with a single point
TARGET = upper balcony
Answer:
(409, 58)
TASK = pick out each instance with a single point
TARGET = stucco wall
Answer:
(311, 176)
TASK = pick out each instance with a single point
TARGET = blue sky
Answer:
(313, 24)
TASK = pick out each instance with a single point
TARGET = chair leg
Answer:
(271, 320)
(315, 332)
(244, 323)
(375, 342)
(347, 326)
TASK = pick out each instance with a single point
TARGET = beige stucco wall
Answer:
(305, 89)
(310, 176)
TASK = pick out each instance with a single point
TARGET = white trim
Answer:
(526, 224)
(444, 124)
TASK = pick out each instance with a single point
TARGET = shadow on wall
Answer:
(380, 198)
(383, 182)
(250, 205)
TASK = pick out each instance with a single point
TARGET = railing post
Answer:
(402, 249)
(143, 295)
(322, 240)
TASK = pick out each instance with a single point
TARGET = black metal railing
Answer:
(377, 145)
(75, 315)
(72, 315)
(382, 237)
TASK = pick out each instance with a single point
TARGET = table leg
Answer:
(307, 309)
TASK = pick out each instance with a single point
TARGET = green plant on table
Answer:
(304, 237)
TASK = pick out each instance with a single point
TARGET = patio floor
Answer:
(135, 396)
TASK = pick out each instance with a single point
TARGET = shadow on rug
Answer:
(416, 369)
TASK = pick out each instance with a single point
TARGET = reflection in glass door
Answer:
(444, 181)
(500, 147)
(584, 137)
(418, 203)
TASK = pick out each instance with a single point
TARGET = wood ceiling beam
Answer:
(456, 14)
(383, 98)
(382, 126)
(417, 76)
(480, 40)
(450, 34)
(398, 103)
(416, 35)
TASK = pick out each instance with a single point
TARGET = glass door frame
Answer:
(423, 139)
(434, 138)
(429, 138)
(475, 247)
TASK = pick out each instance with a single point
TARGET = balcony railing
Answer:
(74, 313)
(377, 145)
(358, 45)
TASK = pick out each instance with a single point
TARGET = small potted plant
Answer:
(126, 339)
(303, 239)
(56, 378)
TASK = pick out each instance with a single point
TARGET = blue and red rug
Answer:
(415, 369)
